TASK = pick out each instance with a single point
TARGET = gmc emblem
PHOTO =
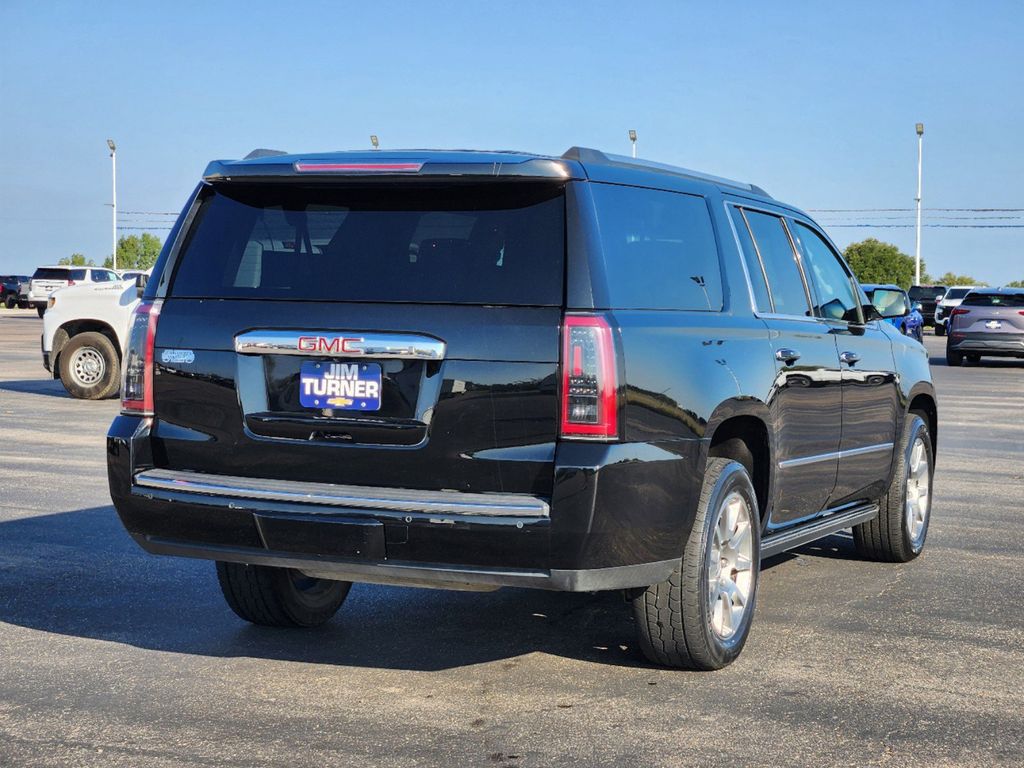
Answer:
(330, 344)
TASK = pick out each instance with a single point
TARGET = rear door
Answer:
(404, 335)
(806, 401)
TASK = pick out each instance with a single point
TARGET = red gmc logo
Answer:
(330, 344)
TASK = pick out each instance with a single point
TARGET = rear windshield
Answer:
(994, 300)
(55, 273)
(919, 292)
(466, 244)
(956, 293)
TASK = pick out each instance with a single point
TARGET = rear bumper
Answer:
(617, 519)
(999, 345)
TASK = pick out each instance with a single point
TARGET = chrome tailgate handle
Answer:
(401, 346)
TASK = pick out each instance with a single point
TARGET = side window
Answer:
(779, 260)
(659, 248)
(102, 276)
(833, 286)
(753, 264)
(78, 275)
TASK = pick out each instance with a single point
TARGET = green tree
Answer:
(952, 279)
(76, 260)
(873, 261)
(136, 252)
(1015, 284)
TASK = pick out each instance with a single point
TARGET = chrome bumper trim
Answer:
(352, 496)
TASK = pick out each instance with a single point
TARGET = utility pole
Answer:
(113, 205)
(917, 248)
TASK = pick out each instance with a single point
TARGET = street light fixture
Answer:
(632, 138)
(113, 205)
(373, 140)
(917, 248)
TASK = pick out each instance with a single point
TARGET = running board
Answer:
(780, 542)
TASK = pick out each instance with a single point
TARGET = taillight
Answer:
(960, 311)
(589, 380)
(137, 385)
(71, 282)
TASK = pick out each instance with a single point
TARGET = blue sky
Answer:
(816, 102)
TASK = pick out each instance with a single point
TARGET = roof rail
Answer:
(256, 153)
(586, 155)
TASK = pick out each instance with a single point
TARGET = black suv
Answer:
(472, 370)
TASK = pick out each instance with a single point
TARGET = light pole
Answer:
(113, 205)
(374, 142)
(632, 138)
(917, 248)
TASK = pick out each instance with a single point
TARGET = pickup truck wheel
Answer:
(279, 597)
(897, 535)
(940, 329)
(10, 300)
(89, 367)
(700, 617)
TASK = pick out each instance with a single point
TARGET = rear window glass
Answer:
(53, 273)
(466, 244)
(957, 293)
(659, 249)
(994, 300)
(919, 292)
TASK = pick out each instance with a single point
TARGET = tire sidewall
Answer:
(112, 373)
(917, 428)
(733, 477)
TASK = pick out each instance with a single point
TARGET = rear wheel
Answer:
(10, 300)
(940, 329)
(41, 311)
(897, 535)
(280, 597)
(974, 359)
(700, 617)
(954, 358)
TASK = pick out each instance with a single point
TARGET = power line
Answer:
(930, 226)
(147, 213)
(891, 210)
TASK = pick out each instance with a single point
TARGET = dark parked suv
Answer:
(472, 370)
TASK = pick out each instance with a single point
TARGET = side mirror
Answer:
(871, 313)
(140, 284)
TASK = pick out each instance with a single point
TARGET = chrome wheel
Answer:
(917, 504)
(730, 566)
(87, 366)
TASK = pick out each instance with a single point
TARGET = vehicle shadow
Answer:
(78, 573)
(46, 387)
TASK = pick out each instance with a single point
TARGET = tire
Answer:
(279, 597)
(10, 301)
(898, 534)
(973, 359)
(41, 311)
(954, 359)
(680, 623)
(89, 367)
(940, 329)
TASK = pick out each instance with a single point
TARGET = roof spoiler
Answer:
(260, 152)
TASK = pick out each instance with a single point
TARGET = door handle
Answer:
(850, 358)
(787, 356)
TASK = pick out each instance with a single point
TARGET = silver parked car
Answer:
(990, 321)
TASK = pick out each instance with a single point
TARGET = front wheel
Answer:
(280, 597)
(700, 617)
(89, 367)
(897, 535)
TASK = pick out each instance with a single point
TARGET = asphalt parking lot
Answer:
(112, 657)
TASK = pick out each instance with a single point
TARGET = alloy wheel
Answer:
(730, 566)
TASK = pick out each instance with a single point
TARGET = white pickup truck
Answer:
(85, 329)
